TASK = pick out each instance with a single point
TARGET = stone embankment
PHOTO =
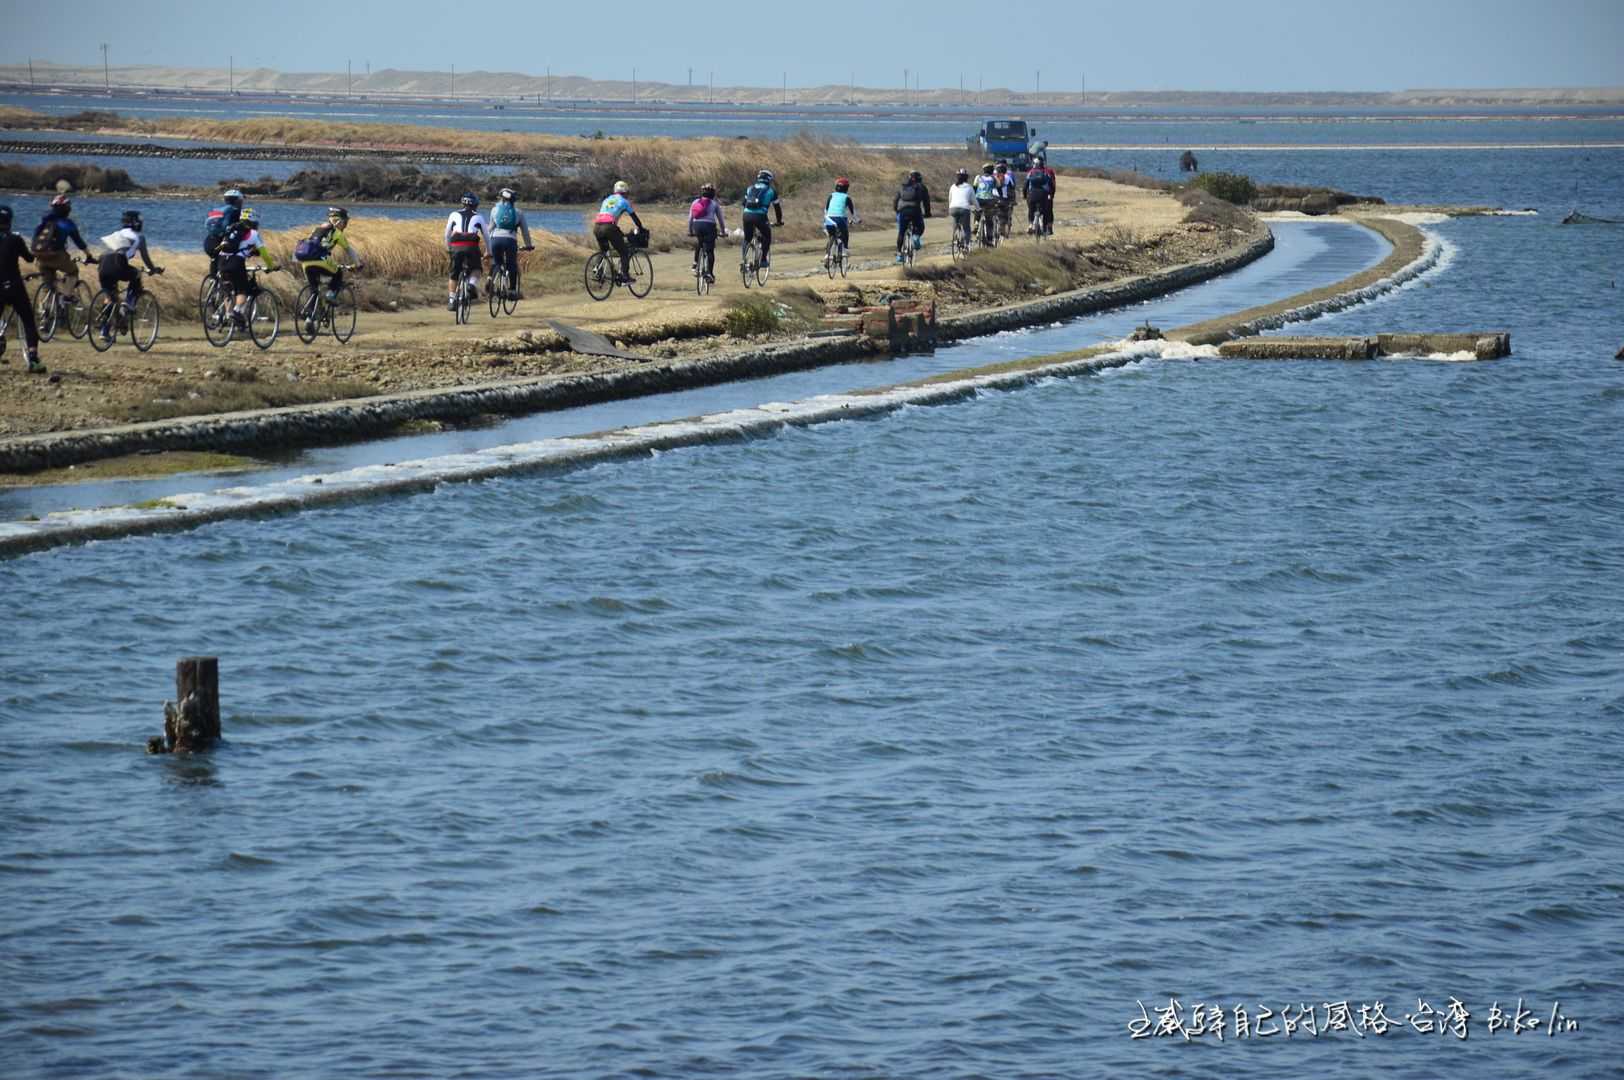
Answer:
(1486, 346)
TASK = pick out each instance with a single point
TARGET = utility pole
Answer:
(31, 73)
(690, 78)
(107, 80)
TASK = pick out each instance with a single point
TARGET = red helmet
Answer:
(842, 184)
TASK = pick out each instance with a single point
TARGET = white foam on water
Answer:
(1512, 213)
(1419, 217)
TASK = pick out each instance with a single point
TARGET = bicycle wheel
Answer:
(908, 249)
(843, 256)
(750, 263)
(103, 330)
(46, 310)
(510, 295)
(702, 272)
(78, 312)
(600, 276)
(831, 256)
(264, 318)
(496, 287)
(342, 313)
(306, 312)
(762, 270)
(144, 321)
(642, 274)
(216, 313)
(205, 287)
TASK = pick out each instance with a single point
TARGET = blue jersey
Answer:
(612, 208)
(986, 187)
(839, 206)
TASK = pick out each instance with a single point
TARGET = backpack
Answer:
(700, 208)
(214, 230)
(1038, 182)
(312, 248)
(757, 196)
(47, 238)
(505, 216)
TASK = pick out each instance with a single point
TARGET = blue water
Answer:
(917, 747)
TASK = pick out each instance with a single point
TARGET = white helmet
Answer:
(621, 187)
(506, 195)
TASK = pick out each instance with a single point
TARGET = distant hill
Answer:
(498, 86)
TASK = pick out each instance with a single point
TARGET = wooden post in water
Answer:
(194, 723)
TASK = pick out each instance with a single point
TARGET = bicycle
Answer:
(1006, 214)
(322, 309)
(466, 294)
(1040, 224)
(751, 266)
(986, 225)
(111, 316)
(961, 239)
(504, 293)
(53, 308)
(603, 274)
(835, 256)
(911, 242)
(704, 267)
(262, 315)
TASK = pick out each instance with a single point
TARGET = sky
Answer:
(1213, 45)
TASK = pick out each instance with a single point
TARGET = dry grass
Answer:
(657, 168)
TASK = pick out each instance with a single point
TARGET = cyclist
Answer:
(1039, 191)
(986, 191)
(51, 238)
(1006, 194)
(220, 219)
(465, 230)
(315, 256)
(115, 267)
(606, 227)
(507, 223)
(839, 210)
(961, 201)
(760, 197)
(240, 243)
(912, 204)
(705, 224)
(13, 294)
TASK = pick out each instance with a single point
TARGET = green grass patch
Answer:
(214, 396)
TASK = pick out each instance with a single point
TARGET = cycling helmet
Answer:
(61, 205)
(986, 170)
(506, 194)
(470, 200)
(249, 216)
(621, 187)
(708, 190)
(915, 176)
(338, 212)
(131, 220)
(5, 218)
(842, 184)
(1001, 167)
(765, 174)
(964, 174)
(234, 197)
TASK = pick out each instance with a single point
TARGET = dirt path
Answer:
(422, 348)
